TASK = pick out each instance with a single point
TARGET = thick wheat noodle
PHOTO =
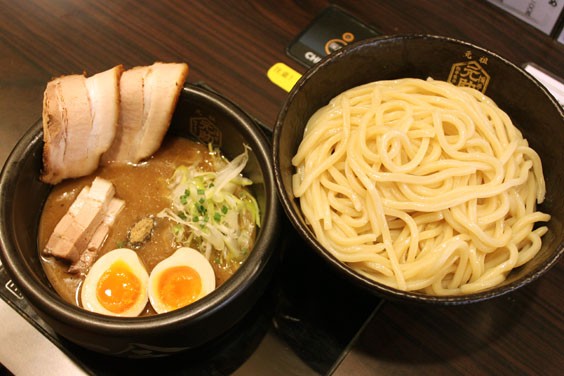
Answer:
(421, 185)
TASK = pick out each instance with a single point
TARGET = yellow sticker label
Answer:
(283, 76)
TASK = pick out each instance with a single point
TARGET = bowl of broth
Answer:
(206, 129)
(424, 169)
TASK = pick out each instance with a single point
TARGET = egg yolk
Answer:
(179, 286)
(118, 288)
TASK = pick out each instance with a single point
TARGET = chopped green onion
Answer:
(214, 210)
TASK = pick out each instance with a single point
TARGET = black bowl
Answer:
(533, 110)
(202, 115)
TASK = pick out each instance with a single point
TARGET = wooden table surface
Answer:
(230, 45)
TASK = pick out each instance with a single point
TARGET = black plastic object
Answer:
(533, 110)
(332, 29)
(200, 114)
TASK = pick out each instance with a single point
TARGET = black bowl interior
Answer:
(533, 110)
(203, 116)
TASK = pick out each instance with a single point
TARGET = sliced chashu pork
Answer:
(130, 117)
(80, 117)
(66, 119)
(148, 99)
(90, 254)
(103, 90)
(76, 230)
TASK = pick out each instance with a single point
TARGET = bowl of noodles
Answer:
(424, 168)
(206, 128)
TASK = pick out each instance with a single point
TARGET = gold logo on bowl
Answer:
(470, 73)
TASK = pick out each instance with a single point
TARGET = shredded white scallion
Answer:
(214, 210)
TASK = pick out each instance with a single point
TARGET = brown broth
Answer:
(144, 189)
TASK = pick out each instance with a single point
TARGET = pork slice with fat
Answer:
(90, 254)
(163, 84)
(80, 117)
(77, 227)
(66, 126)
(103, 91)
(148, 98)
(130, 115)
(54, 134)
(77, 119)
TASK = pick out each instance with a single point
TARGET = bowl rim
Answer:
(46, 300)
(354, 277)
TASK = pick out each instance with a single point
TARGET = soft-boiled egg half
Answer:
(116, 284)
(180, 280)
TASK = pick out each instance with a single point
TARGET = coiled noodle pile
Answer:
(421, 185)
